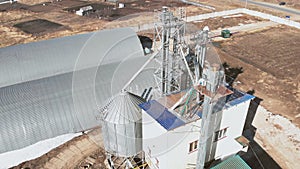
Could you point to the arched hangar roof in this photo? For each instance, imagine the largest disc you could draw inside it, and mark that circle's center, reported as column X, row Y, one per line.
column 54, row 87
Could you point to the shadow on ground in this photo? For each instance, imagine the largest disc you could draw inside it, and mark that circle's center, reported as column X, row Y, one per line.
column 231, row 73
column 255, row 157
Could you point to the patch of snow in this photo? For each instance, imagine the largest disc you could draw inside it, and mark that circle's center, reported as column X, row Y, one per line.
column 279, row 136
column 13, row 158
column 198, row 21
column 233, row 16
column 287, row 126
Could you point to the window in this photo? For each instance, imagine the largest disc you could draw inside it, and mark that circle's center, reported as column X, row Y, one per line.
column 193, row 146
column 220, row 134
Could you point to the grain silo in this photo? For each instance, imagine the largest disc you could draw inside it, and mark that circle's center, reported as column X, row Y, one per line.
column 121, row 122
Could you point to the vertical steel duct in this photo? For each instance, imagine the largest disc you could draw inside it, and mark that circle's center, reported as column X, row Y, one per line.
column 211, row 85
column 165, row 51
column 214, row 78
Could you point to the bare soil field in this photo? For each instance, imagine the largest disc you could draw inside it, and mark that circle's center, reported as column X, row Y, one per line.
column 10, row 7
column 18, row 13
column 56, row 11
column 85, row 151
column 109, row 11
column 38, row 26
column 270, row 62
column 31, row 2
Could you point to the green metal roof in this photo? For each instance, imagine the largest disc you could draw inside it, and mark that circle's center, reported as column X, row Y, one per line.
column 235, row 162
column 226, row 31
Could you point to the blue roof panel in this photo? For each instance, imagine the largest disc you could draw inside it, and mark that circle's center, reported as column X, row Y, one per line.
column 239, row 100
column 161, row 114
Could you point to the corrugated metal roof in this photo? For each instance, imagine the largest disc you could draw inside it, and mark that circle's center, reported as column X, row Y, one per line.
column 123, row 109
column 161, row 114
column 59, row 102
column 235, row 162
column 42, row 59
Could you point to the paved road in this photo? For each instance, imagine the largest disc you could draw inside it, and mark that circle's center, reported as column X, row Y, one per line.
column 198, row 4
column 274, row 6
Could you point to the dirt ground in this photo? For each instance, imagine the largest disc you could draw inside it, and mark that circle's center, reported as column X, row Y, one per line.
column 85, row 151
column 56, row 12
column 11, row 16
column 269, row 64
column 38, row 26
column 270, row 60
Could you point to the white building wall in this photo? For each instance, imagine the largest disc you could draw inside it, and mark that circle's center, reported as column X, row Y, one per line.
column 151, row 129
column 79, row 12
column 152, row 132
column 170, row 149
column 152, row 135
column 178, row 155
column 233, row 118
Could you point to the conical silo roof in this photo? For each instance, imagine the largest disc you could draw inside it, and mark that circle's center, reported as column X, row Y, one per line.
column 122, row 109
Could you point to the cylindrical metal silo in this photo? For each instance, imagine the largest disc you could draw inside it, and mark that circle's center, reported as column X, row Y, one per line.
column 121, row 122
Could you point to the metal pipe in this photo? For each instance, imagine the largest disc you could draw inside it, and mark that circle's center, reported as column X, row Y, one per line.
column 206, row 132
column 165, row 50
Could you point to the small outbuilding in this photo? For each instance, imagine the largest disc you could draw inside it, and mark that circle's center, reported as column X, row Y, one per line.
column 84, row 10
column 7, row 1
column 226, row 33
